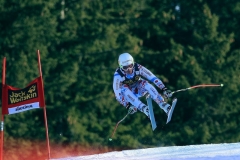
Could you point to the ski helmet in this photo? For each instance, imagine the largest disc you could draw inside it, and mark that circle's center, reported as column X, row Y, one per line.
column 125, row 59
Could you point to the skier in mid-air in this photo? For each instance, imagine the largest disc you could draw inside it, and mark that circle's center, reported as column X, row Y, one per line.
column 128, row 86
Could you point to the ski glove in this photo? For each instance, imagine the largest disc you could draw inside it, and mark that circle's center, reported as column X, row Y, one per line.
column 167, row 93
column 131, row 109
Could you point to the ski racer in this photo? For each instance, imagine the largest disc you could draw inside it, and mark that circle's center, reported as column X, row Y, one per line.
column 129, row 86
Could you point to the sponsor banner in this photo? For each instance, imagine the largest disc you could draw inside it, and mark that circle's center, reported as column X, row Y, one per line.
column 23, row 108
column 15, row 97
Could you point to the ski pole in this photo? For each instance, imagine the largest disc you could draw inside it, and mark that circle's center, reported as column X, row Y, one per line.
column 198, row 86
column 110, row 139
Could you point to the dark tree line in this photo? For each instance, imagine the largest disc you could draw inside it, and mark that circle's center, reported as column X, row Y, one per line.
column 182, row 42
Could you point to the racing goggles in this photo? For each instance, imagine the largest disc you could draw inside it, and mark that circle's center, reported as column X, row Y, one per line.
column 128, row 66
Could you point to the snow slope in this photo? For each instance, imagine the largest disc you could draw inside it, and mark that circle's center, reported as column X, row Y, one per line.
column 225, row 151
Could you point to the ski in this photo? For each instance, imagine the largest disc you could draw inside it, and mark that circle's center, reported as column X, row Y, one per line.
column 151, row 114
column 170, row 112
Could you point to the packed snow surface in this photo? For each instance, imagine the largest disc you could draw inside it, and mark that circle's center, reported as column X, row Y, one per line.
column 225, row 151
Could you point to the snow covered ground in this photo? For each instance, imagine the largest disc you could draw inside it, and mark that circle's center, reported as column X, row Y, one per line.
column 226, row 151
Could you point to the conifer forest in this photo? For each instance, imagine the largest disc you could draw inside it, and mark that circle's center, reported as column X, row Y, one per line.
column 183, row 42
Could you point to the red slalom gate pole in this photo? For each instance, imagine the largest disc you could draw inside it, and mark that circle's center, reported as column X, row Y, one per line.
column 2, row 118
column 44, row 108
